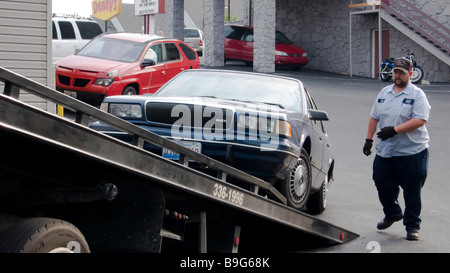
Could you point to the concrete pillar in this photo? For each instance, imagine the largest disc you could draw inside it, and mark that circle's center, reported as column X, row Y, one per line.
column 174, row 19
column 213, row 11
column 264, row 36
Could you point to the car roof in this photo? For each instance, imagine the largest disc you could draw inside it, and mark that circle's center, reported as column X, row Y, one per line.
column 241, row 26
column 250, row 73
column 67, row 18
column 135, row 37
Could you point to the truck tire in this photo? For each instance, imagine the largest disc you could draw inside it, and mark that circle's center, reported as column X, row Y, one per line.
column 42, row 235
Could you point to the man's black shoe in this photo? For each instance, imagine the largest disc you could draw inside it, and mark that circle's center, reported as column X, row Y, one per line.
column 385, row 223
column 412, row 235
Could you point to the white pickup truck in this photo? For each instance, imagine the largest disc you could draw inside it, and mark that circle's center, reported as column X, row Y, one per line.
column 71, row 34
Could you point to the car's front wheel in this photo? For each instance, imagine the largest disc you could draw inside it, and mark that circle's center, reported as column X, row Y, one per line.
column 297, row 185
column 129, row 90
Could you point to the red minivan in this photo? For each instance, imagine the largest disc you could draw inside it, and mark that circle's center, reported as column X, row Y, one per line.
column 239, row 46
column 123, row 63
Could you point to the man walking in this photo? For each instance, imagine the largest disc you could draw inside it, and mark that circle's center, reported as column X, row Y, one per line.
column 399, row 115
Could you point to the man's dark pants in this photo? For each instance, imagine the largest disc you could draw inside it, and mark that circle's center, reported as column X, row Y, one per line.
column 407, row 172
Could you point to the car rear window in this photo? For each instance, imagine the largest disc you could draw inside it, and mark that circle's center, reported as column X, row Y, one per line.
column 191, row 33
column 190, row 54
column 89, row 30
column 235, row 33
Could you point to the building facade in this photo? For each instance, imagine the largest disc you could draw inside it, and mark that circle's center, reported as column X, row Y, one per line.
column 26, row 44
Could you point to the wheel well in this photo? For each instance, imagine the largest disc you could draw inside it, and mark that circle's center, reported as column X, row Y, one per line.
column 307, row 145
column 135, row 85
column 330, row 171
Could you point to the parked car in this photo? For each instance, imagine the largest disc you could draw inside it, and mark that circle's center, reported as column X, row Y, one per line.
column 123, row 64
column 265, row 125
column 71, row 34
column 194, row 38
column 239, row 46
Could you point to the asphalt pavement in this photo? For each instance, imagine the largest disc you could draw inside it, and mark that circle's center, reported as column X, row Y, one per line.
column 352, row 197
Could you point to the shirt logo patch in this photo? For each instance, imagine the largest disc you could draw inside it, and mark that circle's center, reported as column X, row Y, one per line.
column 408, row 101
column 380, row 100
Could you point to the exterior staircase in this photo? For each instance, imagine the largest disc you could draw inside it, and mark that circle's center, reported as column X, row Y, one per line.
column 418, row 26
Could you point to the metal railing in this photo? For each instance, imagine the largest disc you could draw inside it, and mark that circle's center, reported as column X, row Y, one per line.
column 421, row 23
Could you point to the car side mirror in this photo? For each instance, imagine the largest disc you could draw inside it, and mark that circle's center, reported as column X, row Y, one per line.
column 318, row 115
column 147, row 62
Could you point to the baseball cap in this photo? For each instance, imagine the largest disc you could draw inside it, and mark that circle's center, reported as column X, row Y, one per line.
column 403, row 64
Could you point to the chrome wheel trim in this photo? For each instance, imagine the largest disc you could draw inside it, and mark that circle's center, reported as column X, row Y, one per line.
column 298, row 181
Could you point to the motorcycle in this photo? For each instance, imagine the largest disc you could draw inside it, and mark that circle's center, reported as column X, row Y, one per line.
column 388, row 64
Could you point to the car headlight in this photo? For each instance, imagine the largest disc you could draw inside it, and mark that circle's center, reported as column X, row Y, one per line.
column 113, row 73
column 280, row 53
column 265, row 125
column 125, row 110
column 248, row 122
column 104, row 81
column 305, row 54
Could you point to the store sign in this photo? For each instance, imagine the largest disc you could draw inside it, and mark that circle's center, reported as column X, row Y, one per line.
column 106, row 9
column 148, row 7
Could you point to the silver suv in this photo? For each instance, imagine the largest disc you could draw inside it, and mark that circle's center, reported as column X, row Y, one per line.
column 71, row 34
column 194, row 38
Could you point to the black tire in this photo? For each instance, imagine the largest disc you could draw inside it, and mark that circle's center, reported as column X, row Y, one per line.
column 417, row 75
column 42, row 235
column 385, row 76
column 297, row 185
column 129, row 90
column 317, row 202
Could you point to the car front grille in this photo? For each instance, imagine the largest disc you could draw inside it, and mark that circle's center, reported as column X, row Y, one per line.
column 80, row 82
column 64, row 80
column 169, row 113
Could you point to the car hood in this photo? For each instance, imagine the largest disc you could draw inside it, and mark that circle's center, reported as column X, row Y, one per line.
column 204, row 101
column 289, row 48
column 90, row 64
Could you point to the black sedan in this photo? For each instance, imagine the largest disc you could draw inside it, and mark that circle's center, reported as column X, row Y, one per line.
column 265, row 125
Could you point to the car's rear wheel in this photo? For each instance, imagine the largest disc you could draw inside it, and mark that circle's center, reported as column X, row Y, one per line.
column 318, row 201
column 297, row 185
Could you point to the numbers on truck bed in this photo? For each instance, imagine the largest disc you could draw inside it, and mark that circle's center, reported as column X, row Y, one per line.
column 228, row 194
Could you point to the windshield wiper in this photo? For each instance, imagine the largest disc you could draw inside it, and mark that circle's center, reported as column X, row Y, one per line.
column 275, row 104
column 260, row 102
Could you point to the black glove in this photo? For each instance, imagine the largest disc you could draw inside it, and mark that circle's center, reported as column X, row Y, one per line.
column 367, row 147
column 386, row 132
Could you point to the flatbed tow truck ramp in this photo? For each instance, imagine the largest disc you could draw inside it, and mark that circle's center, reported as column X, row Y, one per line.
column 67, row 188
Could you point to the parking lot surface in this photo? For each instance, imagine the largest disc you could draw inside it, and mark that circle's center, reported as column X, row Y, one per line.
column 352, row 197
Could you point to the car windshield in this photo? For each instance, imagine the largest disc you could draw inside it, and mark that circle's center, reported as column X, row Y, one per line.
column 113, row 49
column 263, row 89
column 280, row 38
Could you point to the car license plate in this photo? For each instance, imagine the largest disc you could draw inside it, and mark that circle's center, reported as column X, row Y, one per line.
column 194, row 146
column 71, row 93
